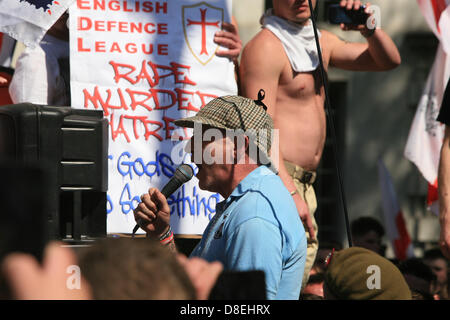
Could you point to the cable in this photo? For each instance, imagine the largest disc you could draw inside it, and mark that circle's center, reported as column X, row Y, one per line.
column 332, row 127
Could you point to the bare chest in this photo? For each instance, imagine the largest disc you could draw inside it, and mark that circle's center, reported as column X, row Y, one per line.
column 301, row 85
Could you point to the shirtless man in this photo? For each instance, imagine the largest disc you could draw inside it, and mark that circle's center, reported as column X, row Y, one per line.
column 295, row 100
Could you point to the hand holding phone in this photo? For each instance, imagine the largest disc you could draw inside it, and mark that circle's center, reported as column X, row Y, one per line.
column 341, row 15
column 351, row 15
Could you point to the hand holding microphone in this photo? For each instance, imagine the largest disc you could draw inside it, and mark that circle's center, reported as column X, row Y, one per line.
column 153, row 213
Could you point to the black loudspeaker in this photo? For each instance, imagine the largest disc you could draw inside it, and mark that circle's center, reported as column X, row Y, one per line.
column 71, row 146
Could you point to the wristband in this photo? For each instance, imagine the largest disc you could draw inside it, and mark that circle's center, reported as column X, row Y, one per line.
column 166, row 234
column 167, row 240
column 166, row 237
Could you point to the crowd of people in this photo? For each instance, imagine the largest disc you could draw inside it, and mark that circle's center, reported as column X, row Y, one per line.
column 263, row 235
column 144, row 269
column 425, row 278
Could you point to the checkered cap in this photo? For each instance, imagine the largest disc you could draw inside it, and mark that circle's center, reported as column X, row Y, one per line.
column 235, row 112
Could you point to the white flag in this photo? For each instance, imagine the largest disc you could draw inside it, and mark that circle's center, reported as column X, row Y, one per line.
column 27, row 21
column 426, row 134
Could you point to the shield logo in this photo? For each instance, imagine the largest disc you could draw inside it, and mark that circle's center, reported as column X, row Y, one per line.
column 200, row 22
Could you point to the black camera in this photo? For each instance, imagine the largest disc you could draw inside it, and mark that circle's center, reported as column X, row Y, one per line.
column 338, row 15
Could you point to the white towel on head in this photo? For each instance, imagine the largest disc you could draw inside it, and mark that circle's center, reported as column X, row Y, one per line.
column 298, row 41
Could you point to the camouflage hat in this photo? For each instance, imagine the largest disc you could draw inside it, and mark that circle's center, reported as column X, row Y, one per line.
column 236, row 113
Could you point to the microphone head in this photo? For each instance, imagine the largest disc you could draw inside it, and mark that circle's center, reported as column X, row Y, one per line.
column 184, row 173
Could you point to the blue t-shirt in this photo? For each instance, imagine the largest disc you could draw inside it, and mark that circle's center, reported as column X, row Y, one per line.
column 258, row 228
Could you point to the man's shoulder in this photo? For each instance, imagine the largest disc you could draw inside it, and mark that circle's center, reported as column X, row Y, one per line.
column 264, row 42
column 263, row 56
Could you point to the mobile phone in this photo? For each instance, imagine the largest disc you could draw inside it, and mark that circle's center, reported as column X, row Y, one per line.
column 338, row 15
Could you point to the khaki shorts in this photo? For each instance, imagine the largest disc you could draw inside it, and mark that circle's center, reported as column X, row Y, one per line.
column 303, row 181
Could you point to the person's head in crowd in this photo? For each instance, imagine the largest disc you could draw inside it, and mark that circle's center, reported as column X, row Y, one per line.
column 56, row 278
column 314, row 287
column 121, row 269
column 138, row 269
column 368, row 233
column 325, row 249
column 360, row 274
column 419, row 277
column 212, row 282
column 310, row 296
column 440, row 267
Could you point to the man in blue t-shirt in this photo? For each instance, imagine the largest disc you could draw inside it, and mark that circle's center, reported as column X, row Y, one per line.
column 444, row 176
column 257, row 226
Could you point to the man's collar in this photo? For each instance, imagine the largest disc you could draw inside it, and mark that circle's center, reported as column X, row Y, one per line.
column 250, row 180
column 246, row 184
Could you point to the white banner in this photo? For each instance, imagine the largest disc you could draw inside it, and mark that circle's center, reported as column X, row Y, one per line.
column 28, row 20
column 145, row 64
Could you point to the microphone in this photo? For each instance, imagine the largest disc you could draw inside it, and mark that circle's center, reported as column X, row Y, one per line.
column 182, row 174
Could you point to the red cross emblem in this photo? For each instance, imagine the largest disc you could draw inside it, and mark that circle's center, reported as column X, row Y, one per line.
column 200, row 22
